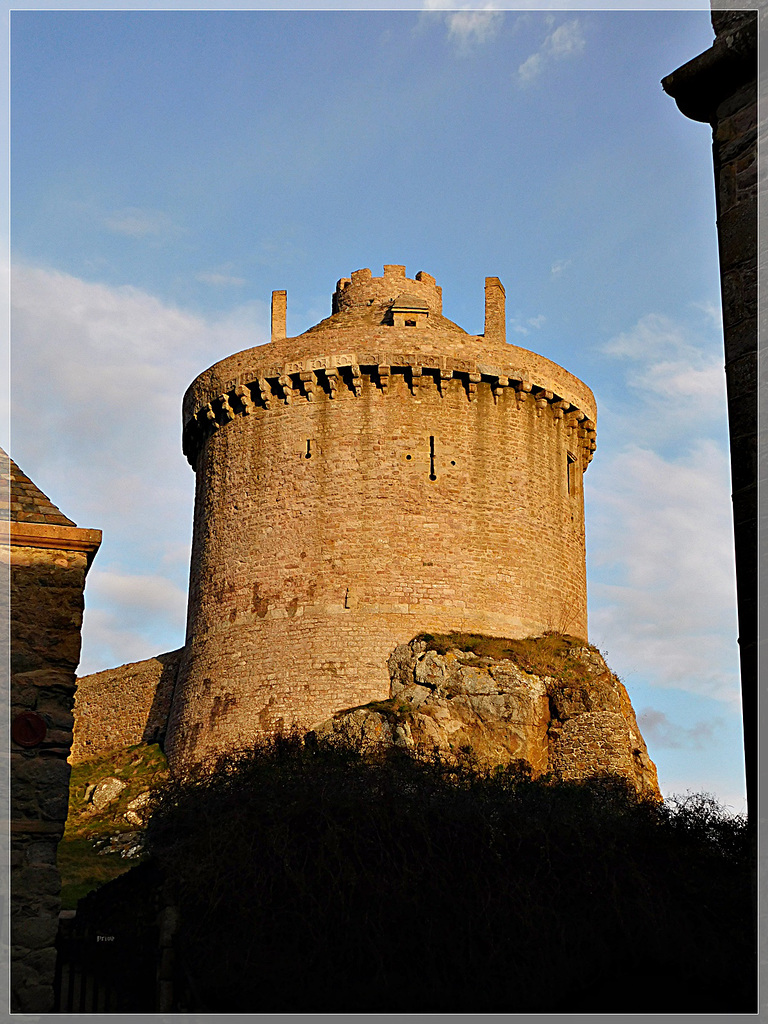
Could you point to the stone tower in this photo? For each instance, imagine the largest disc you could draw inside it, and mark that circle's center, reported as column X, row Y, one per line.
column 382, row 474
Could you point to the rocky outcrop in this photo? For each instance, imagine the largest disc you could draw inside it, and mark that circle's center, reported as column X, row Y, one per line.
column 550, row 701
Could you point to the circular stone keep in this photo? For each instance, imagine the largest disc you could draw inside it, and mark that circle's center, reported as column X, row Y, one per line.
column 382, row 474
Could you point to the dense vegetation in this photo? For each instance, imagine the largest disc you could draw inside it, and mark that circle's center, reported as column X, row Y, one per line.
column 314, row 880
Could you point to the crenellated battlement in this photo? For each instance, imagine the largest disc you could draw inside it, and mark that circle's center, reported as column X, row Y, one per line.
column 363, row 290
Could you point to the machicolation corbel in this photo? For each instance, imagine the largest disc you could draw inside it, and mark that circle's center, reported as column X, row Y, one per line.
column 226, row 409
column 243, row 394
column 307, row 378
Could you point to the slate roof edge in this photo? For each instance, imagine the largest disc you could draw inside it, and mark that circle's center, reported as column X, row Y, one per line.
column 50, row 535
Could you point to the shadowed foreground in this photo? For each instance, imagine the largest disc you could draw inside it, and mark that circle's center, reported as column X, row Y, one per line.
column 309, row 879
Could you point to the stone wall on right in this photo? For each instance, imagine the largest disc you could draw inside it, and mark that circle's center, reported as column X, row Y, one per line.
column 719, row 87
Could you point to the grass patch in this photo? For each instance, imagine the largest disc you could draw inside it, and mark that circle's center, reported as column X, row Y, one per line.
column 547, row 655
column 142, row 767
column 83, row 869
column 393, row 706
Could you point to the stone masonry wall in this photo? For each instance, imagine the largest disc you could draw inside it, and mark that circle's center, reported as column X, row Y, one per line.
column 734, row 150
column 124, row 706
column 734, row 147
column 719, row 87
column 46, row 590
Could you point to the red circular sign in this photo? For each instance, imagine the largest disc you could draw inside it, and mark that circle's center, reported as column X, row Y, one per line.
column 28, row 729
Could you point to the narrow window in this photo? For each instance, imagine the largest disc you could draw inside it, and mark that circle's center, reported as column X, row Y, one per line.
column 570, row 468
column 410, row 323
column 432, row 458
column 309, row 452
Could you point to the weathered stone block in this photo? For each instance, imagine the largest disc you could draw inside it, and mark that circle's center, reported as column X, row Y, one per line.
column 41, row 878
column 40, row 853
column 737, row 233
column 34, row 932
column 741, row 378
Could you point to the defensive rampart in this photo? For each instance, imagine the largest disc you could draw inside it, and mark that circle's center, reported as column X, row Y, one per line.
column 120, row 707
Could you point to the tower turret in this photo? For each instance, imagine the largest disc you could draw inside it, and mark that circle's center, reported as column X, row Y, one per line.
column 382, row 474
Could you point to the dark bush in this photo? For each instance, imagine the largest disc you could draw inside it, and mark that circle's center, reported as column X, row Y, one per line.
column 313, row 880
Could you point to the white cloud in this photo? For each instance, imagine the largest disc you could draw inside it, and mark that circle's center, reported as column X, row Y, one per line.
column 137, row 595
column 469, row 26
column 675, row 372
column 531, row 67
column 566, row 40
column 663, row 589
column 674, row 379
column 663, row 580
column 107, row 642
column 659, row 730
column 139, row 223
column 652, row 335
column 559, row 266
column 98, row 378
column 474, row 27
column 711, row 312
column 532, row 322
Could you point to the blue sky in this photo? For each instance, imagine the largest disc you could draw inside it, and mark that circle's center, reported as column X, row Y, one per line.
column 171, row 168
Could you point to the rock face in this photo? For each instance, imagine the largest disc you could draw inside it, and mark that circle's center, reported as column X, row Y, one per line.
column 550, row 701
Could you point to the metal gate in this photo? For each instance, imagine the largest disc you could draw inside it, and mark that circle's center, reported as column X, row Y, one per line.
column 98, row 972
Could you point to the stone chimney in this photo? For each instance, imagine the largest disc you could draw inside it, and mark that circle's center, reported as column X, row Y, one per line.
column 279, row 305
column 495, row 310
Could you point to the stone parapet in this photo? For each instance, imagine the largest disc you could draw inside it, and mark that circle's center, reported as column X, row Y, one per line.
column 40, row 536
column 362, row 289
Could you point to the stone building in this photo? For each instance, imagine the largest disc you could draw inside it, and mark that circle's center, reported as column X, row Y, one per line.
column 382, row 474
column 719, row 88
column 47, row 559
